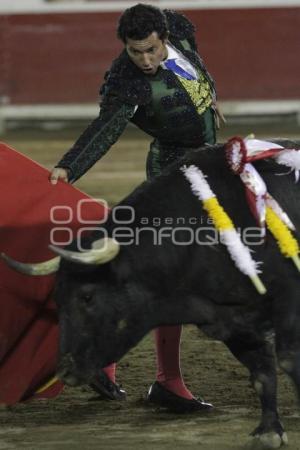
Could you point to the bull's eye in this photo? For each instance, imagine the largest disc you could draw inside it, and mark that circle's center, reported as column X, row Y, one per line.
column 86, row 297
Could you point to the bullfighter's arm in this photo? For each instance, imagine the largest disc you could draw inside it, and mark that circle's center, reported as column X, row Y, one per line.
column 97, row 139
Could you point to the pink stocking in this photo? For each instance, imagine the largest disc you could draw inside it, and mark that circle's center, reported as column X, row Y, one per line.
column 167, row 339
column 110, row 371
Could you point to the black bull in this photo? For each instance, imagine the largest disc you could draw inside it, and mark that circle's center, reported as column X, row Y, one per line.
column 162, row 277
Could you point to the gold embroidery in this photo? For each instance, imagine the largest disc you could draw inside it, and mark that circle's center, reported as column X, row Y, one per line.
column 199, row 92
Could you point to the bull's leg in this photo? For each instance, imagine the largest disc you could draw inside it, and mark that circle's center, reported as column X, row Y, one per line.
column 287, row 330
column 289, row 361
column 258, row 357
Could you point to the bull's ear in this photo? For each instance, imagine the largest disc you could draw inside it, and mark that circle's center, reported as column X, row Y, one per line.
column 35, row 269
column 102, row 251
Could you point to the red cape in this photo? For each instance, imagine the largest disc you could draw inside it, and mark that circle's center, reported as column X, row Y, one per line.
column 28, row 320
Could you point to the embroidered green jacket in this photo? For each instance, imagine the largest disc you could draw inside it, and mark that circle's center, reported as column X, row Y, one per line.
column 158, row 104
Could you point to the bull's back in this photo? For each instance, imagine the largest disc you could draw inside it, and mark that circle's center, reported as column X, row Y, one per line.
column 169, row 196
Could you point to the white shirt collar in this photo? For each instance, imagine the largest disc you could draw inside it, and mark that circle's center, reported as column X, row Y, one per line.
column 172, row 52
column 181, row 60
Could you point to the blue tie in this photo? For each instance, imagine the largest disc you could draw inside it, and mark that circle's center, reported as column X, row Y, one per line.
column 171, row 65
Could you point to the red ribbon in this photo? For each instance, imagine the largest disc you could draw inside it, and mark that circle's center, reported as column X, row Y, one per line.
column 237, row 158
column 244, row 158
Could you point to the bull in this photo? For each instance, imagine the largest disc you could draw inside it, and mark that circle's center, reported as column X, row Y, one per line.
column 153, row 273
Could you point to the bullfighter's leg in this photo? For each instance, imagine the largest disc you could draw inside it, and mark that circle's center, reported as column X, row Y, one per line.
column 168, row 374
column 258, row 357
column 169, row 390
column 110, row 371
column 105, row 384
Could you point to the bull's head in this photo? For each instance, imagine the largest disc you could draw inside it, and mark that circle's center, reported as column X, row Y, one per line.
column 102, row 311
column 88, row 315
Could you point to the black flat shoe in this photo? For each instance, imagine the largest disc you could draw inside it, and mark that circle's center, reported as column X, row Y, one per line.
column 164, row 398
column 106, row 388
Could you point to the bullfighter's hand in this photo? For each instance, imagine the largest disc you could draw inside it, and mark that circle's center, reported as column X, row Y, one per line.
column 59, row 173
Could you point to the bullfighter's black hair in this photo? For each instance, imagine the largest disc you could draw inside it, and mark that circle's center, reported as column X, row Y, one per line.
column 140, row 21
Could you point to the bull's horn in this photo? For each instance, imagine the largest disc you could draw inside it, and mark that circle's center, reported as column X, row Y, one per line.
column 42, row 268
column 102, row 251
